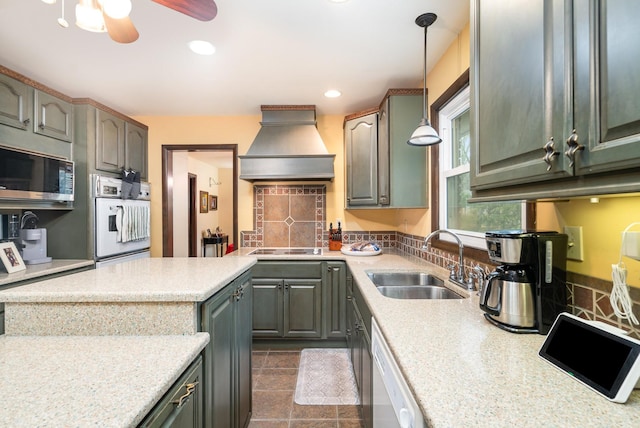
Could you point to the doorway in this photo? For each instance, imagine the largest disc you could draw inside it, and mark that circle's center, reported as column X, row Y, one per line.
column 193, row 190
column 168, row 191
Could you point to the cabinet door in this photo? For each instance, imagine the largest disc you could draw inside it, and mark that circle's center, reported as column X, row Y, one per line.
column 109, row 142
column 407, row 173
column 53, row 117
column 218, row 321
column 135, row 153
column 361, row 144
column 302, row 308
column 14, row 103
column 243, row 348
column 335, row 289
column 518, row 98
column 268, row 310
column 384, row 172
column 177, row 409
column 606, row 70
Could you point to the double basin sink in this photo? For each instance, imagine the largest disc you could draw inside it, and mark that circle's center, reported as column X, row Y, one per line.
column 411, row 285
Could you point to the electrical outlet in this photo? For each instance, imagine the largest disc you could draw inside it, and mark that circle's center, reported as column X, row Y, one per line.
column 574, row 242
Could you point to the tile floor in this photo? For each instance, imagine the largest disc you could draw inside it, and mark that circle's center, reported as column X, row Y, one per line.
column 275, row 373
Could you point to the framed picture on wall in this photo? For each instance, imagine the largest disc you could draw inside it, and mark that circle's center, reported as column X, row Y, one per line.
column 10, row 257
column 213, row 203
column 204, row 202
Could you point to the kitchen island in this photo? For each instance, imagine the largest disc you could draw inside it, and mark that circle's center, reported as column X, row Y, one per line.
column 462, row 370
column 101, row 347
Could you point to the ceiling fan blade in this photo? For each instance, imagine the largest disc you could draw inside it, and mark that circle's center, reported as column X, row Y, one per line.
column 121, row 30
column 203, row 10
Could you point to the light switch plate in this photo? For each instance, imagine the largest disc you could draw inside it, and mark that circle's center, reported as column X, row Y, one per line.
column 575, row 251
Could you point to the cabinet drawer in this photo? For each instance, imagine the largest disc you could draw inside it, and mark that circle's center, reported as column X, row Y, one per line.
column 292, row 269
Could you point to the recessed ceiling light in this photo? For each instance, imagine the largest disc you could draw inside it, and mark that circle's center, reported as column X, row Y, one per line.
column 332, row 93
column 201, row 47
column 338, row 1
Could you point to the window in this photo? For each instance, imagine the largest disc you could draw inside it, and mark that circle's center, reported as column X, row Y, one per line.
column 469, row 220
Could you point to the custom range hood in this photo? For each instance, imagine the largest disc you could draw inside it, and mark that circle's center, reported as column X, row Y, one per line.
column 287, row 147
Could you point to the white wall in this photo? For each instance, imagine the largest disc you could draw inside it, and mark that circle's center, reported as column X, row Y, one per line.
column 180, row 205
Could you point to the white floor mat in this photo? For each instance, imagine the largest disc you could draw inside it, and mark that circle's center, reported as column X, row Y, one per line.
column 325, row 377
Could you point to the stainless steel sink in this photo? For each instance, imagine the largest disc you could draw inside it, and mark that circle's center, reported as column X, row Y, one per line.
column 411, row 285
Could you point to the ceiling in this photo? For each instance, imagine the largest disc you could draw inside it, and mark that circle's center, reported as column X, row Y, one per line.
column 267, row 52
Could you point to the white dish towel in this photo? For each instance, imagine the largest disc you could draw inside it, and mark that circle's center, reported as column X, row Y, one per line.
column 133, row 223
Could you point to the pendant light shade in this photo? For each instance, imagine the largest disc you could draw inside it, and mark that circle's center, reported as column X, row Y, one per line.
column 425, row 135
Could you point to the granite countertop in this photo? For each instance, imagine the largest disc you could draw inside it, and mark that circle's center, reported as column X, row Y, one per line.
column 188, row 279
column 81, row 381
column 464, row 371
column 43, row 269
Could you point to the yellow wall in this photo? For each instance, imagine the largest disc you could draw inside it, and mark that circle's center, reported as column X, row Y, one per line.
column 602, row 225
column 241, row 130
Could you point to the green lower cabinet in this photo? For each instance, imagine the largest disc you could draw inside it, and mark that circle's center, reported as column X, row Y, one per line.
column 359, row 343
column 287, row 308
column 227, row 369
column 335, row 295
column 182, row 406
column 292, row 299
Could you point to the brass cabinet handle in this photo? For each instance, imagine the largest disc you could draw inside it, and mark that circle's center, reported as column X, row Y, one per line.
column 191, row 387
column 574, row 146
column 550, row 152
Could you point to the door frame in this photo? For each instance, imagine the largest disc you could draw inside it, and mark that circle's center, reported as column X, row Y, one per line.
column 167, row 187
column 193, row 217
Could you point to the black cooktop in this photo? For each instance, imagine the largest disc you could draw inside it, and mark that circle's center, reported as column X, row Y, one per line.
column 287, row 251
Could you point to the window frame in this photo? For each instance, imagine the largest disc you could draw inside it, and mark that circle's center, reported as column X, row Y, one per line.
column 479, row 254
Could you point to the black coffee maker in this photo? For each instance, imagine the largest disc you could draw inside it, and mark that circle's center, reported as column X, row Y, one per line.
column 528, row 290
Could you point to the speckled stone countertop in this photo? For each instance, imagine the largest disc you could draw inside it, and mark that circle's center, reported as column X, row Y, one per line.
column 466, row 372
column 188, row 279
column 101, row 381
column 43, row 269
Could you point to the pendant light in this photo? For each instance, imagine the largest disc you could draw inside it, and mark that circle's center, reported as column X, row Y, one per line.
column 425, row 135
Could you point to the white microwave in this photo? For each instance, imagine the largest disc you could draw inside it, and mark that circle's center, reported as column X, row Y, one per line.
column 35, row 176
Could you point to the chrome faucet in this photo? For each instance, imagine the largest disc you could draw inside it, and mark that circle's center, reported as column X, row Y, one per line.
column 457, row 277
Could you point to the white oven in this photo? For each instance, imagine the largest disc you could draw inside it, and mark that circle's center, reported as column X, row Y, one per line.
column 122, row 223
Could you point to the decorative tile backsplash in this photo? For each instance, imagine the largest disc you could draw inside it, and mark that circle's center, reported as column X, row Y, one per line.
column 287, row 216
column 276, row 226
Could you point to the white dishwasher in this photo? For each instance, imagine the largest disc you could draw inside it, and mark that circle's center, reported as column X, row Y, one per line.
column 393, row 403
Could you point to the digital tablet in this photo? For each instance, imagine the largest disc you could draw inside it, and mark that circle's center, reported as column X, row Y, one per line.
column 598, row 356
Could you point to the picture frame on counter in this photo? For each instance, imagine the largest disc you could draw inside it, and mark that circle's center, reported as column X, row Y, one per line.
column 213, row 203
column 204, row 202
column 10, row 256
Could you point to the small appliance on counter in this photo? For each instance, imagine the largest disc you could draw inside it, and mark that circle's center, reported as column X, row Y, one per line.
column 527, row 291
column 34, row 240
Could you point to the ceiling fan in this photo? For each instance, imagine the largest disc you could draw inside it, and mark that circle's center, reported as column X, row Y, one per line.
column 112, row 16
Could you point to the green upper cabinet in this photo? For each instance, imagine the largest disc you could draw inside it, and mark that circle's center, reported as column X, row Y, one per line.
column 33, row 117
column 606, row 85
column 109, row 142
column 120, row 144
column 565, row 67
column 53, row 117
column 383, row 171
column 15, row 108
column 517, row 94
column 361, row 146
column 406, row 165
column 135, row 148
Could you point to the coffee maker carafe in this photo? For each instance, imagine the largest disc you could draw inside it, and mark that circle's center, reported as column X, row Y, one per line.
column 527, row 291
